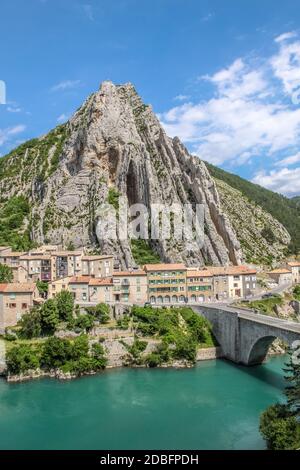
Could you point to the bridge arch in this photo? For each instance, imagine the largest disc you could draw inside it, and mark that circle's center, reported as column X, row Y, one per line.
column 259, row 350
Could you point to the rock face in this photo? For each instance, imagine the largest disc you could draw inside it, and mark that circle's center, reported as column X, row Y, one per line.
column 263, row 239
column 114, row 145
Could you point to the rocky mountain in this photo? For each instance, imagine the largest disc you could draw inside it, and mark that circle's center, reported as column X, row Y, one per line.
column 51, row 187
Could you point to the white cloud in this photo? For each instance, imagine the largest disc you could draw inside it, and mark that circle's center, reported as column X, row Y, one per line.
column 181, row 97
column 286, row 66
column 284, row 181
column 66, row 85
column 63, row 117
column 11, row 109
column 288, row 161
column 248, row 115
column 9, row 132
column 286, row 36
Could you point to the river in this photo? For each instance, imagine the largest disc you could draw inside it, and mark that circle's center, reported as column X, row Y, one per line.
column 215, row 405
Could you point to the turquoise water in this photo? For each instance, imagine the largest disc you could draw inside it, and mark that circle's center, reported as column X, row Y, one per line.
column 216, row 405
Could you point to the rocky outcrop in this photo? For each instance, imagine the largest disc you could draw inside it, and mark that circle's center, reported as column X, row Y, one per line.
column 114, row 145
column 263, row 239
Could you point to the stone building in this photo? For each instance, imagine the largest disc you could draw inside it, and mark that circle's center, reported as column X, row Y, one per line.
column 294, row 267
column 130, row 287
column 166, row 283
column 199, row 285
column 15, row 300
column 281, row 276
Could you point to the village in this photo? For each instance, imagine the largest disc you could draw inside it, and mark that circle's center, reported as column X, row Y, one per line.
column 95, row 279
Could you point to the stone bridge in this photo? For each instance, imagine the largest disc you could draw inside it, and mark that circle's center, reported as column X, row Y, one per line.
column 245, row 336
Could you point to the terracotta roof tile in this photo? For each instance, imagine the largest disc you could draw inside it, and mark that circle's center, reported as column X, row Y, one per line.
column 165, row 267
column 17, row 287
column 138, row 272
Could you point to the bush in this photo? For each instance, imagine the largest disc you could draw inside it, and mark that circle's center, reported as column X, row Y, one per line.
column 73, row 356
column 185, row 348
column 22, row 358
column 55, row 353
column 6, row 274
column 100, row 313
column 30, row 324
column 84, row 322
column 153, row 360
column 123, row 323
column 280, row 429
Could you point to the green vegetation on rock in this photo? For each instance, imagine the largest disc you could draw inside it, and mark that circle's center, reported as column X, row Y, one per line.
column 180, row 332
column 285, row 210
column 13, row 213
column 143, row 253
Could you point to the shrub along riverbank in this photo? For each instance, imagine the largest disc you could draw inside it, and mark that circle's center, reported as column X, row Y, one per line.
column 173, row 334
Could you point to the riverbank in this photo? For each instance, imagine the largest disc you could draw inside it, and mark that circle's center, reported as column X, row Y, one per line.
column 204, row 354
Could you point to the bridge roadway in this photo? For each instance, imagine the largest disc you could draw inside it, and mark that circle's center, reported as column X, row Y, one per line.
column 248, row 314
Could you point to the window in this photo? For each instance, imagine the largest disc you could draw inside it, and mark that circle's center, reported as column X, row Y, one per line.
column 235, row 285
column 236, row 278
column 12, row 296
column 248, row 285
column 84, row 296
column 12, row 305
column 24, row 306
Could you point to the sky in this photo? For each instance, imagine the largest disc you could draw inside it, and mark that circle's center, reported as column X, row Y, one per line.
column 224, row 76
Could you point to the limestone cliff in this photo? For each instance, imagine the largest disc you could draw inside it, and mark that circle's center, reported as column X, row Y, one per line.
column 113, row 145
column 263, row 239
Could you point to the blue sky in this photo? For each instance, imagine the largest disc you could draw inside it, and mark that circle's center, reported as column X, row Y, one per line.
column 222, row 75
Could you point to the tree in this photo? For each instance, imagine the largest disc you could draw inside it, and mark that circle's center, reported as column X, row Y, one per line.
column 65, row 305
column 292, row 392
column 49, row 316
column 280, row 424
column 30, row 324
column 280, row 429
column 56, row 352
column 84, row 322
column 100, row 312
column 6, row 274
column 98, row 355
column 42, row 288
column 22, row 358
